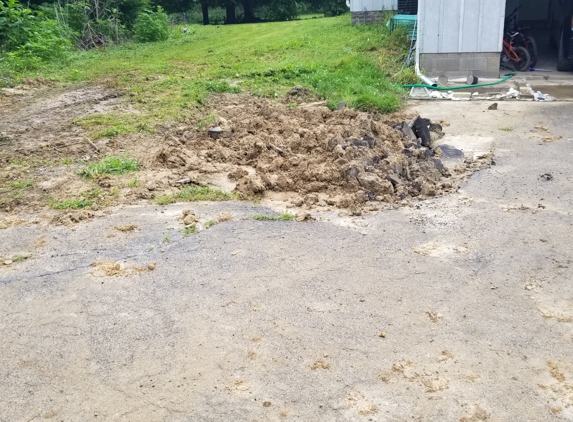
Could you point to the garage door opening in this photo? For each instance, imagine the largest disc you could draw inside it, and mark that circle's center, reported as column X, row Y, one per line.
column 549, row 24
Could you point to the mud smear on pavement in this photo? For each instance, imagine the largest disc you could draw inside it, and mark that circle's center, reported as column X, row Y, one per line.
column 113, row 269
column 287, row 151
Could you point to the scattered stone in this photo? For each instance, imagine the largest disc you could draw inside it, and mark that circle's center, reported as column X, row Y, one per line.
column 408, row 132
column 547, row 177
column 394, row 180
column 451, row 152
column 151, row 266
column 267, row 404
column 422, row 131
column 186, row 181
column 215, row 132
column 382, row 334
column 492, row 107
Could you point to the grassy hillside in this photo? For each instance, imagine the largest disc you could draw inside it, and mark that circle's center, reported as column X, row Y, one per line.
column 337, row 61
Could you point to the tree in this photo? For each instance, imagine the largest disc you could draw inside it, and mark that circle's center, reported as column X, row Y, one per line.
column 280, row 10
column 248, row 8
column 205, row 11
column 230, row 12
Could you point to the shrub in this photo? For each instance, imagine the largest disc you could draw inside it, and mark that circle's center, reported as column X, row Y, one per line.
column 152, row 26
column 16, row 24
column 29, row 38
column 44, row 44
column 129, row 10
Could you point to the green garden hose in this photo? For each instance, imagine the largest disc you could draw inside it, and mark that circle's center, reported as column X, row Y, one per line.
column 452, row 88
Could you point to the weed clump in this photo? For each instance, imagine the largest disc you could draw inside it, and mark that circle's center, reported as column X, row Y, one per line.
column 196, row 193
column 189, row 230
column 109, row 165
column 71, row 204
column 262, row 217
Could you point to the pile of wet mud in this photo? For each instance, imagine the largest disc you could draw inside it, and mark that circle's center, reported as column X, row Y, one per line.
column 343, row 158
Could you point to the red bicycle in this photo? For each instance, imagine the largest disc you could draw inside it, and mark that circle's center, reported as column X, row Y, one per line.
column 522, row 36
column 513, row 54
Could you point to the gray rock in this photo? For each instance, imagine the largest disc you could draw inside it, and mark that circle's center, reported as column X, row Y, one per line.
column 215, row 132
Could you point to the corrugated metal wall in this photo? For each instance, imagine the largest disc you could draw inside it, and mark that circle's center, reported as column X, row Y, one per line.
column 372, row 5
column 460, row 26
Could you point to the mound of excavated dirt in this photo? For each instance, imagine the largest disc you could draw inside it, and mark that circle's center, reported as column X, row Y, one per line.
column 344, row 158
column 285, row 150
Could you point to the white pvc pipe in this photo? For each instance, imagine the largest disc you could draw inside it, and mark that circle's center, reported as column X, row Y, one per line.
column 419, row 73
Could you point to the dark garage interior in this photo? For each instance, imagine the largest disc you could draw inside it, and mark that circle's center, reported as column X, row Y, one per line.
column 538, row 16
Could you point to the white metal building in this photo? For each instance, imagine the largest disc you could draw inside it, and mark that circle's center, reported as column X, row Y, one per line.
column 455, row 37
column 459, row 37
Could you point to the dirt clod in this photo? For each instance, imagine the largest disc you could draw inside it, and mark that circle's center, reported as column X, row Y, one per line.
column 320, row 364
column 74, row 217
column 11, row 222
column 126, row 228
column 189, row 218
column 225, row 216
column 304, row 216
column 112, row 268
column 106, row 269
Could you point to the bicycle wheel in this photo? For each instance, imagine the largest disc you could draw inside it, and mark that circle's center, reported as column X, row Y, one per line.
column 522, row 63
column 531, row 47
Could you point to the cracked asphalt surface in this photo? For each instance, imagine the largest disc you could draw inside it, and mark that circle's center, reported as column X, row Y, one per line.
column 459, row 308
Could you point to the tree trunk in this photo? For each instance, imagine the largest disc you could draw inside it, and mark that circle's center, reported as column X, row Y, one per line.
column 248, row 8
column 205, row 10
column 230, row 12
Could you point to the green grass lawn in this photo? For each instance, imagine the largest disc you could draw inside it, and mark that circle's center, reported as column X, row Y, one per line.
column 337, row 61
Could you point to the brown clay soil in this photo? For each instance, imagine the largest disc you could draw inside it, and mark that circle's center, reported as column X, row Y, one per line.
column 291, row 150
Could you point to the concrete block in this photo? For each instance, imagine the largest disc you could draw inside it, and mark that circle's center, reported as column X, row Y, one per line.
column 493, row 63
column 445, row 64
column 366, row 18
column 456, row 65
